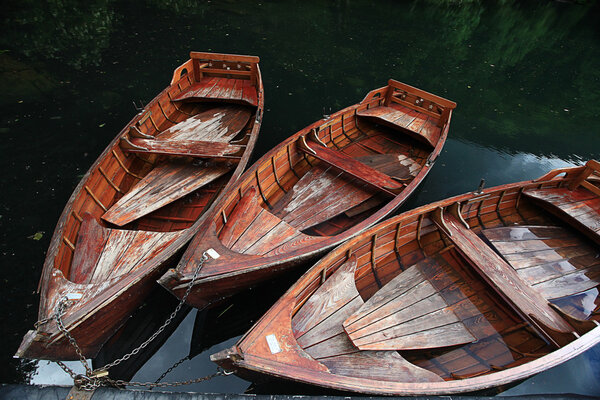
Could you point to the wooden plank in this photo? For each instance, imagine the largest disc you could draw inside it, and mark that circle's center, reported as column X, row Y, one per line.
column 91, row 239
column 330, row 346
column 350, row 166
column 379, row 365
column 240, row 217
column 570, row 284
column 237, row 91
column 581, row 305
column 333, row 294
column 529, row 259
column 293, row 243
column 319, row 195
column 200, row 89
column 197, row 55
column 397, row 166
column 280, row 233
column 543, row 272
column 579, row 207
column 318, row 329
column 128, row 250
column 397, row 116
column 260, row 226
column 249, row 94
column 525, row 232
column 502, row 277
column 532, row 245
column 330, row 328
column 220, row 89
column 408, row 313
column 217, row 124
column 187, row 148
column 565, row 276
column 166, row 183
column 125, row 251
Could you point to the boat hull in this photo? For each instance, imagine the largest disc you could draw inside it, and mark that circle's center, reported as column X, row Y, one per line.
column 309, row 335
column 321, row 186
column 115, row 237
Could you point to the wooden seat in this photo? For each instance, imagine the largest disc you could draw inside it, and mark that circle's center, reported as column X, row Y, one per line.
column 102, row 253
column 187, row 148
column 418, row 125
column 350, row 166
column 164, row 184
column 205, row 135
column 318, row 329
column 240, row 91
column 408, row 313
column 527, row 302
column 579, row 207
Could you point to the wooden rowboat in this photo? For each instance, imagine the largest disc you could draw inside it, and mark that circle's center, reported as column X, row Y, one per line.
column 317, row 188
column 143, row 199
column 472, row 292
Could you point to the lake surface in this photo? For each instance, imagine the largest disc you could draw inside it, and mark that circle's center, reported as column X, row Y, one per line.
column 526, row 78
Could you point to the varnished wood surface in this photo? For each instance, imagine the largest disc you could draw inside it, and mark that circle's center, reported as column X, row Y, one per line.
column 406, row 314
column 161, row 186
column 421, row 126
column 580, row 205
column 318, row 329
column 183, row 148
column 355, row 168
column 564, row 264
column 111, row 267
column 320, row 186
column 508, row 347
column 223, row 89
column 503, row 278
column 319, row 195
column 220, row 123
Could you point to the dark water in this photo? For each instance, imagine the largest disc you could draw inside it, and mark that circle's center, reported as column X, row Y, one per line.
column 526, row 78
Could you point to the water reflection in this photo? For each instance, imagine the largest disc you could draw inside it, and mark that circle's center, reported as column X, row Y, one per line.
column 526, row 78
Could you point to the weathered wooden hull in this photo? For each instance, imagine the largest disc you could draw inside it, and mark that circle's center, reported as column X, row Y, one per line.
column 316, row 189
column 348, row 325
column 143, row 199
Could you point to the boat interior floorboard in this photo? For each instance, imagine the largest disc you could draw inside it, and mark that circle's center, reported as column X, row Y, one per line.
column 318, row 328
column 107, row 253
column 565, row 264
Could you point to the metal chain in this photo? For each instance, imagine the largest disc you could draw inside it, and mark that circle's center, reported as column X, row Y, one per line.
column 219, row 372
column 93, row 379
column 171, row 368
column 165, row 324
column 60, row 310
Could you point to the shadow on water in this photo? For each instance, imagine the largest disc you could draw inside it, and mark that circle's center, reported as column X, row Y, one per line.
column 526, row 77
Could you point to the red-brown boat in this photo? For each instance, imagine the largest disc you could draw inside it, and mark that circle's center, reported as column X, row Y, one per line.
column 473, row 292
column 322, row 185
column 143, row 199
